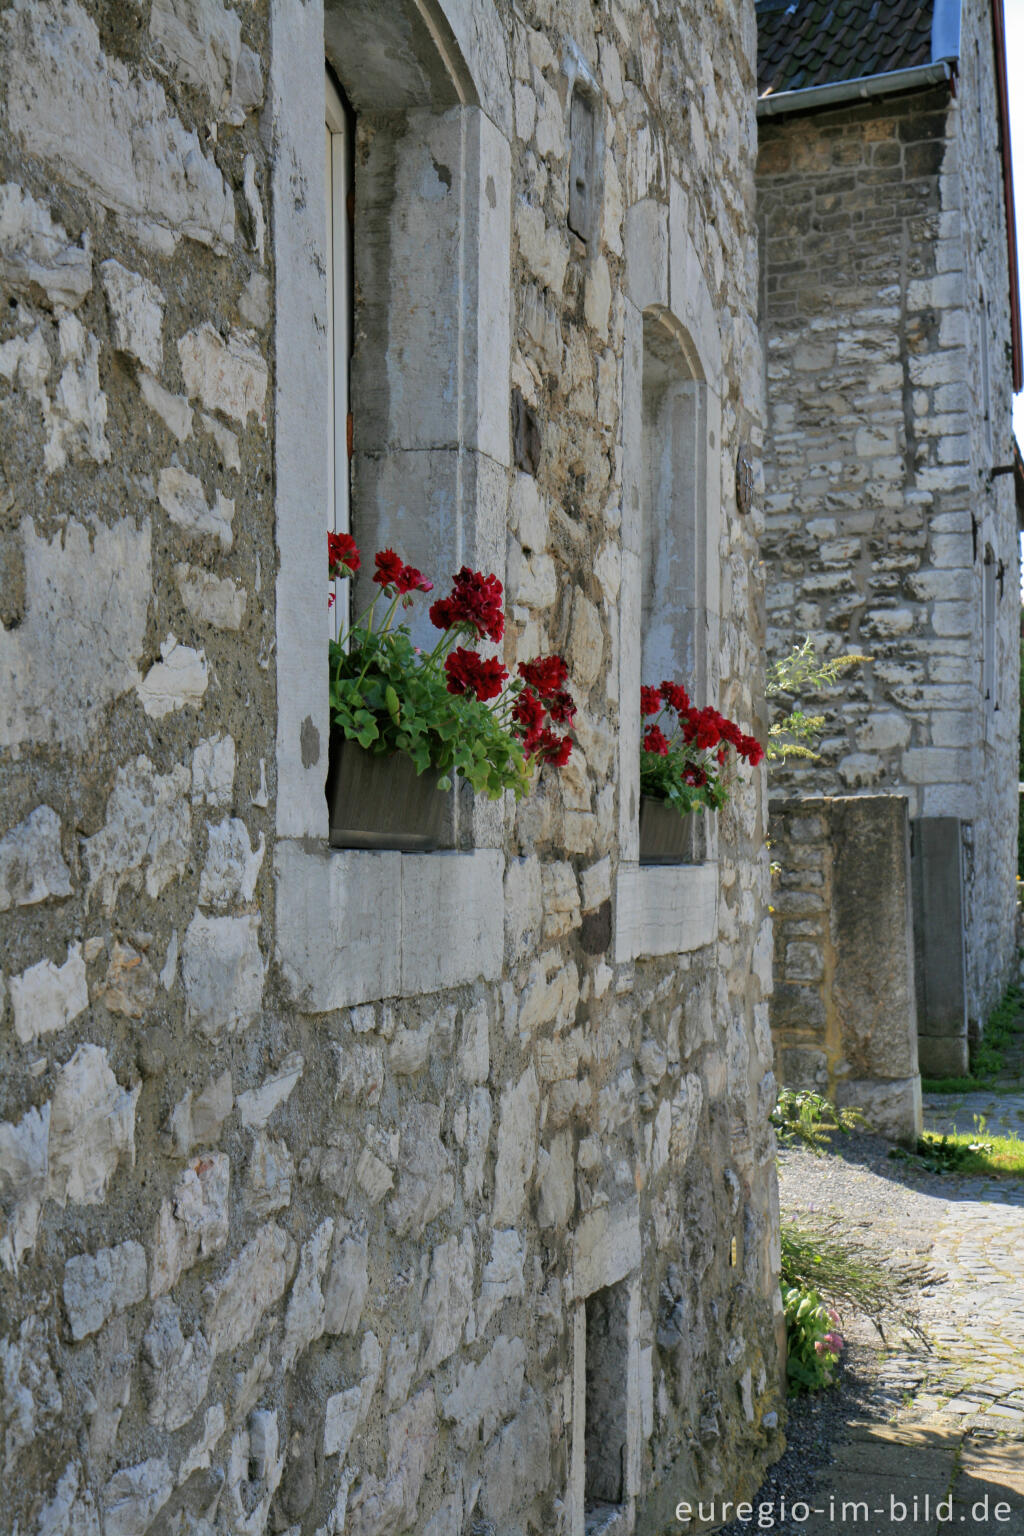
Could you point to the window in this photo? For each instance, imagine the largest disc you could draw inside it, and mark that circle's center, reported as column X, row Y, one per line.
column 671, row 529
column 338, row 183
column 674, row 622
column 607, row 1375
column 421, row 119
column 582, row 165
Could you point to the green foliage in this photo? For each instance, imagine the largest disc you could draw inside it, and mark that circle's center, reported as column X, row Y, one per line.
column 811, row 1360
column 795, row 733
column 383, row 697
column 845, row 1273
column 800, row 1114
column 662, row 778
column 962, row 1153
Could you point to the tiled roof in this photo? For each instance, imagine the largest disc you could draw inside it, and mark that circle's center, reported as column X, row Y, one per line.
column 801, row 43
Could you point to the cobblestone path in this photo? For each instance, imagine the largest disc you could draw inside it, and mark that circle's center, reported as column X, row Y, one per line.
column 938, row 1447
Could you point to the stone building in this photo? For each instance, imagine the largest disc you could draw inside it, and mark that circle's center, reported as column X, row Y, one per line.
column 891, row 319
column 354, row 1190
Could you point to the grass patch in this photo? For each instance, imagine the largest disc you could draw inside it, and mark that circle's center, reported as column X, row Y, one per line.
column 974, row 1152
column 1004, row 1029
column 846, row 1274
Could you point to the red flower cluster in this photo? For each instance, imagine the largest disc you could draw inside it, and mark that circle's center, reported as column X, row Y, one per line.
column 543, row 699
column 655, row 740
column 705, row 729
column 473, row 603
column 342, row 555
column 392, row 571
column 469, row 673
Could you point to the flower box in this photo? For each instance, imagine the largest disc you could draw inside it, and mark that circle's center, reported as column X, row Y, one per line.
column 377, row 800
column 665, row 836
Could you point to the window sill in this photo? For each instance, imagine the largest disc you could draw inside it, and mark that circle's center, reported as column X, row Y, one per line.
column 354, row 927
column 664, row 909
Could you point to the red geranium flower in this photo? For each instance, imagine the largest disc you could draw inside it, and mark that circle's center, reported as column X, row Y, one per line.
column 389, row 567
column 551, row 748
column 468, row 673
column 655, row 741
column 545, row 674
column 528, row 717
column 342, row 554
column 650, row 700
column 676, row 697
column 561, row 706
column 694, row 775
column 409, row 579
column 473, row 603
column 754, row 751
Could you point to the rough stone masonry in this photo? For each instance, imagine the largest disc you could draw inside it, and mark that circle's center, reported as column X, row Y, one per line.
column 888, row 355
column 320, row 1172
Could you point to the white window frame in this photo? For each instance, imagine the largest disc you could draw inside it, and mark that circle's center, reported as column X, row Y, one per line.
column 664, row 909
column 337, row 185
column 355, row 926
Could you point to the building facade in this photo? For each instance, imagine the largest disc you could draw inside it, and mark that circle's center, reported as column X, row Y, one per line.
column 351, row 1190
column 892, row 338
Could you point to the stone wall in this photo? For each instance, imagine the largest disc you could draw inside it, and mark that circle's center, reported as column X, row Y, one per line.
column 844, row 1016
column 881, row 223
column 309, row 1162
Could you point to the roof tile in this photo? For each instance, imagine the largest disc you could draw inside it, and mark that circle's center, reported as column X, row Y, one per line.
column 815, row 42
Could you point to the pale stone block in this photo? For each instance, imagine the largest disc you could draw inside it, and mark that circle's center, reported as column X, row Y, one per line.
column 937, row 765
column 232, row 865
column 176, row 1373
column 475, row 1052
column 32, row 867
column 426, row 1184
column 251, row 1285
column 146, row 833
column 213, row 771
column 269, row 1175
column 605, row 1247
column 223, row 973
column 502, row 1276
column 109, row 130
column 36, row 255
column 24, row 1166
column 305, row 1317
column 448, row 1298
column 100, row 1284
column 337, row 914
column 211, row 600
column 134, row 1496
column 347, row 1280
column 174, row 410
column 184, row 500
column 950, row 618
column 556, row 1183
column 340, row 1416
column 524, row 911
column 193, row 1223
column 198, row 1457
column 596, row 884
column 137, row 309
column 73, row 670
column 225, row 374
column 91, row 1128
column 178, row 680
column 516, row 1144
column 256, row 1107
column 882, row 731
column 202, row 40
column 49, row 997
column 664, row 910
column 543, row 249
column 486, row 1394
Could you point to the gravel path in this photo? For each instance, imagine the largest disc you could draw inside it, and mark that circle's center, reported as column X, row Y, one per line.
column 911, row 1423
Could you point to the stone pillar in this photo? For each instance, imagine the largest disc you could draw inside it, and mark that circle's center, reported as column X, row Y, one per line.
column 939, row 958
column 844, row 1014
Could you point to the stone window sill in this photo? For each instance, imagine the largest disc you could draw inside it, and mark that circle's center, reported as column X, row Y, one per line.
column 664, row 909
column 354, row 927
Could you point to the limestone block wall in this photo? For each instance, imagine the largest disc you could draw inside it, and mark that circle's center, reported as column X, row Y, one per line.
column 321, row 1173
column 844, row 1016
column 889, row 390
